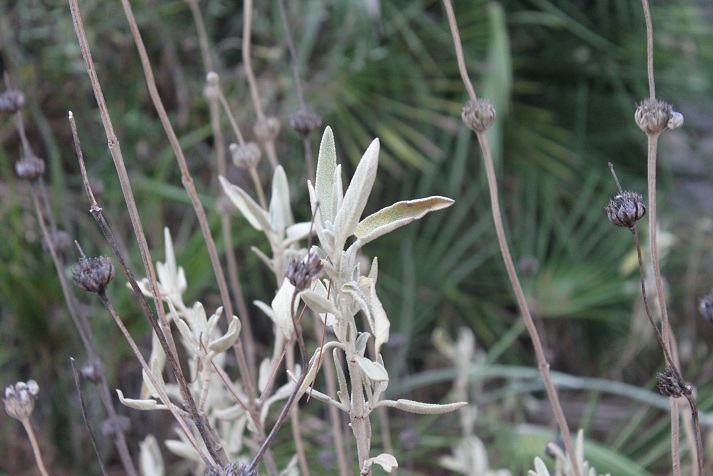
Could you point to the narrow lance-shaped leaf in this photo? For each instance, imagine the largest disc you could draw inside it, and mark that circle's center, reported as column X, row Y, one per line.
column 253, row 213
column 280, row 211
column 422, row 408
column 397, row 215
column 357, row 194
column 326, row 164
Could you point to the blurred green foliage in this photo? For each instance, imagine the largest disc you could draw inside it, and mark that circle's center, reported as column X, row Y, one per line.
column 564, row 77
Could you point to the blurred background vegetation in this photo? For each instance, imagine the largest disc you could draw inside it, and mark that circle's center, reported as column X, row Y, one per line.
column 564, row 76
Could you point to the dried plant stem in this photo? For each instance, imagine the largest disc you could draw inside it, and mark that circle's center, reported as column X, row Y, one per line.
column 250, row 74
column 649, row 48
column 35, row 447
column 187, row 181
column 543, row 365
column 202, row 34
column 82, row 326
column 214, row 447
column 78, row 386
column 298, row 85
column 115, row 150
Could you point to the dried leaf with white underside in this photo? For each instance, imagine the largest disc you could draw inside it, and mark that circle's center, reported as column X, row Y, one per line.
column 397, row 215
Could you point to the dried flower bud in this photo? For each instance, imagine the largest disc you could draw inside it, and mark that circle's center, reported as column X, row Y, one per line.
column 245, row 156
column 302, row 273
column 305, row 122
column 93, row 371
column 20, row 399
column 231, row 469
column 267, row 129
column 675, row 122
column 478, row 115
column 654, row 116
column 113, row 426
column 60, row 241
column 625, row 209
column 559, row 443
column 671, row 383
column 705, row 307
column 93, row 274
column 30, row 168
column 211, row 91
column 11, row 100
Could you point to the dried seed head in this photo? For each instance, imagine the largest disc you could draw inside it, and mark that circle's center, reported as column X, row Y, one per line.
column 93, row 274
column 20, row 399
column 671, row 383
column 303, row 272
column 113, row 426
column 305, row 122
column 626, row 209
column 30, row 168
column 267, row 129
column 231, row 469
column 705, row 307
column 478, row 115
column 60, row 241
column 11, row 100
column 245, row 156
column 654, row 116
column 93, row 371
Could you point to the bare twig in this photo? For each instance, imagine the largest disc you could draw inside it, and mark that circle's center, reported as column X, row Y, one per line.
column 84, row 415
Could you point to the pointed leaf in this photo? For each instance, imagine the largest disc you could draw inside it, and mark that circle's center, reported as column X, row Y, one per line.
column 397, row 215
column 253, row 213
column 280, row 211
column 373, row 370
column 281, row 307
column 324, row 179
column 422, row 408
column 356, row 196
column 224, row 343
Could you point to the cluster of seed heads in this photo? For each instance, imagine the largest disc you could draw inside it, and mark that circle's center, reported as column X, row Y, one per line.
column 93, row 274
column 245, row 156
column 20, row 399
column 478, row 115
column 671, row 383
column 654, row 116
column 626, row 209
column 303, row 272
column 11, row 100
column 305, row 122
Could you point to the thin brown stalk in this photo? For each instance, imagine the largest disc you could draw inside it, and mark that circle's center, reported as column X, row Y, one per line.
column 543, row 365
column 187, row 181
column 78, row 386
column 35, row 447
column 649, row 48
column 215, row 449
column 250, row 74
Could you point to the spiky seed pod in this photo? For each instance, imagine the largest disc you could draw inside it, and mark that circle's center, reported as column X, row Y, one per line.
column 20, row 399
column 11, row 100
column 478, row 115
column 30, row 168
column 671, row 383
column 267, row 129
column 93, row 274
column 653, row 116
column 245, row 156
column 626, row 209
column 302, row 273
column 60, row 241
column 305, row 122
column 705, row 307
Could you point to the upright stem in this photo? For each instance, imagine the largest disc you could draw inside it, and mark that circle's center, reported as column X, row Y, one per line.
column 35, row 447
